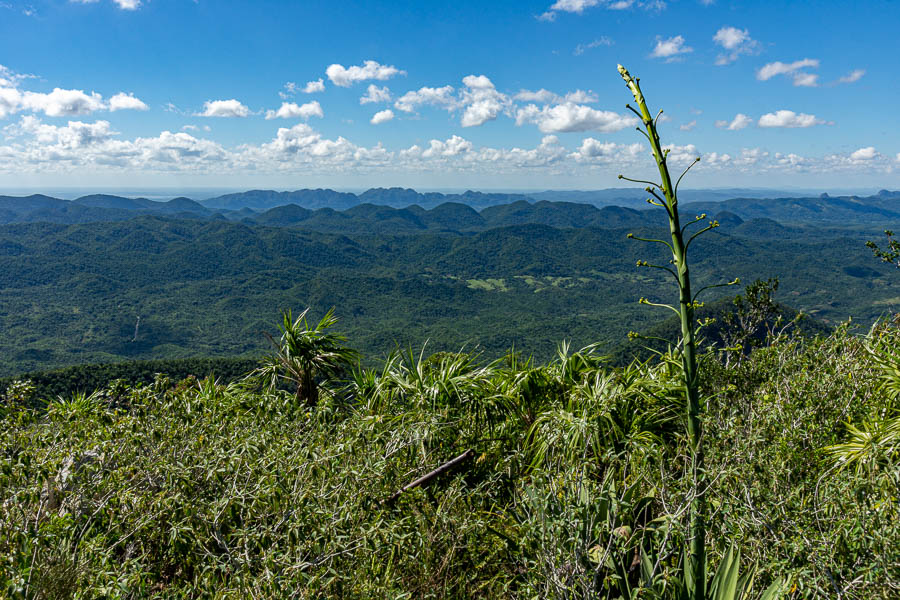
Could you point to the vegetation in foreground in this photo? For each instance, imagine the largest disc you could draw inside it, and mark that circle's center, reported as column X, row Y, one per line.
column 577, row 478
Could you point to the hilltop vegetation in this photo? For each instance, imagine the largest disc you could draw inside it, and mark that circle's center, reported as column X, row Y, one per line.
column 198, row 488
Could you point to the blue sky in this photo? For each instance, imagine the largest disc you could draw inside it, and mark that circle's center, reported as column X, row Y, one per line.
column 512, row 95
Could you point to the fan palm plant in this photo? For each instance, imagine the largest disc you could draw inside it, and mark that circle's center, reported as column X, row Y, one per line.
column 304, row 354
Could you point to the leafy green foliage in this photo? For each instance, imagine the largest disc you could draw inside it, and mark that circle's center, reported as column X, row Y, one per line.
column 72, row 294
column 199, row 488
column 889, row 255
column 304, row 355
column 90, row 378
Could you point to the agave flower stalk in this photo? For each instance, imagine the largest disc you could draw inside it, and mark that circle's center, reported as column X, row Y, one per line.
column 665, row 194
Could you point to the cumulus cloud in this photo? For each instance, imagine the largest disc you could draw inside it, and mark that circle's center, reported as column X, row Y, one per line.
column 382, row 116
column 481, row 100
column 75, row 134
column 224, row 108
column 291, row 110
column 794, row 70
column 453, row 146
column 670, row 48
column 58, row 103
column 123, row 101
column 442, row 97
column 346, row 76
column 852, row 76
column 688, row 126
column 375, row 94
column 735, row 42
column 740, row 121
column 864, row 154
column 788, row 118
column 313, row 87
column 37, row 147
column 573, row 117
column 595, row 151
column 681, row 154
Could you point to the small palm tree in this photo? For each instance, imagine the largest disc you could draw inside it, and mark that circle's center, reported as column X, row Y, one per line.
column 304, row 354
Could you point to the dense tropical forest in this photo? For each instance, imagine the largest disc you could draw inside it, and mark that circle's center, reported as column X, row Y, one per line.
column 456, row 412
column 529, row 275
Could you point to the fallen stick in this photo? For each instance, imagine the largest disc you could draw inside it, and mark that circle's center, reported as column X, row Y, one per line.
column 428, row 477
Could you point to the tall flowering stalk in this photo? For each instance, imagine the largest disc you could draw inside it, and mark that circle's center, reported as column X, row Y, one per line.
column 665, row 195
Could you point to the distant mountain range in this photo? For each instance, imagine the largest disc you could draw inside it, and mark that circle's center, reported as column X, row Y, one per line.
column 397, row 210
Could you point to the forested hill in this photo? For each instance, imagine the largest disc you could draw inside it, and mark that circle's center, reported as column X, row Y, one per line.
column 157, row 287
column 379, row 210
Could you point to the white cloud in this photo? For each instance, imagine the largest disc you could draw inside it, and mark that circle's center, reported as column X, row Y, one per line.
column 123, row 4
column 290, row 89
column 580, row 97
column 454, row 146
column 806, row 79
column 74, row 135
column 594, row 151
column 579, row 6
column 852, row 76
column 543, row 96
column 291, row 110
column 601, row 41
column 792, row 70
column 10, row 101
column 375, row 94
column 575, row 6
column 731, row 38
column 313, row 87
column 573, row 117
column 36, row 147
column 382, row 116
column 482, row 101
column 688, row 126
column 681, row 154
column 788, row 118
column 62, row 103
column 740, row 121
column 736, row 42
column 11, row 79
column 347, row 76
column 864, row 154
column 123, row 101
column 224, row 108
column 442, row 97
column 670, row 48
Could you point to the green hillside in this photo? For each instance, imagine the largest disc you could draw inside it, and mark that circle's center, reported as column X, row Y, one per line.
column 73, row 294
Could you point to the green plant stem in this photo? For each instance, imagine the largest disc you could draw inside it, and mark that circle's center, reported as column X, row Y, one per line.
column 697, row 527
